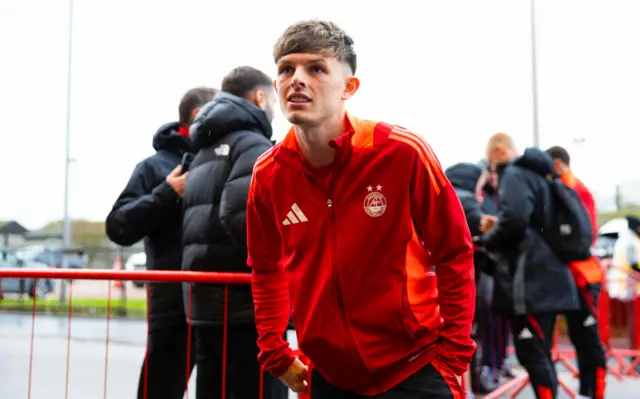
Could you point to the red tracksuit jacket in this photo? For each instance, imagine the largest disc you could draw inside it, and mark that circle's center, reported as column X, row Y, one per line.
column 586, row 271
column 353, row 260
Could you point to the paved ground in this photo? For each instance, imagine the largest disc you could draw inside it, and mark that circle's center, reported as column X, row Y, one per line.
column 87, row 360
column 99, row 289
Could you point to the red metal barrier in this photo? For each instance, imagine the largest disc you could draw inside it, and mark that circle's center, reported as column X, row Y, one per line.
column 622, row 369
column 514, row 386
column 119, row 275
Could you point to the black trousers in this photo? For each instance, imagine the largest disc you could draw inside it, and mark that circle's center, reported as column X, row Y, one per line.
column 430, row 382
column 533, row 339
column 166, row 360
column 582, row 327
column 243, row 371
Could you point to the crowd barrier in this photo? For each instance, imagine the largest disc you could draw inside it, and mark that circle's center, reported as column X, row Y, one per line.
column 621, row 369
column 624, row 360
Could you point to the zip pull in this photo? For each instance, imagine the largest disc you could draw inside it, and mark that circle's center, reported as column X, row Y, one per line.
column 329, row 203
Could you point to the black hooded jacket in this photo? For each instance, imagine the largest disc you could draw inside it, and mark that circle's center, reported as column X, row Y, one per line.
column 149, row 209
column 529, row 277
column 463, row 177
column 229, row 134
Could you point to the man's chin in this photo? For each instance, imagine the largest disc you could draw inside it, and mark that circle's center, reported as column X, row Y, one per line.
column 299, row 120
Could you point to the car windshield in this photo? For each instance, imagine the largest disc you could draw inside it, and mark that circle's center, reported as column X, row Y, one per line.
column 8, row 257
column 605, row 245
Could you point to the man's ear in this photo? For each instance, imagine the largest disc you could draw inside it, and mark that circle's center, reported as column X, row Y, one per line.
column 259, row 99
column 352, row 86
column 275, row 85
column 194, row 113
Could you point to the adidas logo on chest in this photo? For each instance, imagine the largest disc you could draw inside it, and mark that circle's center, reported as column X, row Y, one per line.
column 294, row 216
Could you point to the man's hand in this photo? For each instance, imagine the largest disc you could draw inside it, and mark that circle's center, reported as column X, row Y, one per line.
column 177, row 180
column 487, row 222
column 296, row 378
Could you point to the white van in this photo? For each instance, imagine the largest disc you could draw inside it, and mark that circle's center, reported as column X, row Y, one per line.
column 136, row 262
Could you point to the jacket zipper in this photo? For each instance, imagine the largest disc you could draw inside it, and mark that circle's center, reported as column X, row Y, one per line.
column 339, row 298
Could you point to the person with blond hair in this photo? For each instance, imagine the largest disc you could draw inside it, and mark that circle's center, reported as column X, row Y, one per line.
column 532, row 283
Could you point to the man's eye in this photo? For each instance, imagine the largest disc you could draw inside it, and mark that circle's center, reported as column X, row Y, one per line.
column 285, row 69
column 317, row 69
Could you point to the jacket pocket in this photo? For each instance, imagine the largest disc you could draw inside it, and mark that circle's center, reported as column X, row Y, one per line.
column 405, row 315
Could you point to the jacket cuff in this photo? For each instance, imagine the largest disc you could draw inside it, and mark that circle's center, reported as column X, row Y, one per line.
column 166, row 193
column 457, row 363
column 283, row 365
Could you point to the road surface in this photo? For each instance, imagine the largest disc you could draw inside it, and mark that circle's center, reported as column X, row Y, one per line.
column 98, row 289
column 125, row 353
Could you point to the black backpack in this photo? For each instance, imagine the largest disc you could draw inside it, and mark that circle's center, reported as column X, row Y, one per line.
column 568, row 230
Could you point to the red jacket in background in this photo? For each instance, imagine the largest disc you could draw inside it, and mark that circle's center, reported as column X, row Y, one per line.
column 585, row 271
column 352, row 258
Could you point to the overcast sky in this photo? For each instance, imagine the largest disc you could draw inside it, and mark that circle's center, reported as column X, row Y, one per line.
column 453, row 71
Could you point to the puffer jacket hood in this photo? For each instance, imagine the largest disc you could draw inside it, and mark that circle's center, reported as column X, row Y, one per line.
column 227, row 114
column 464, row 175
column 167, row 138
column 535, row 160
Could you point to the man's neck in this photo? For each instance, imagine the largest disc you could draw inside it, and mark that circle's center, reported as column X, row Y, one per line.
column 314, row 141
column 566, row 171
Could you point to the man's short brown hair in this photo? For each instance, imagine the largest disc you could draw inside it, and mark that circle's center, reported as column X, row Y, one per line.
column 316, row 37
column 241, row 81
column 557, row 152
column 194, row 98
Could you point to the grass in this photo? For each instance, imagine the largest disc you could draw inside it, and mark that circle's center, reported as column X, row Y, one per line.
column 133, row 308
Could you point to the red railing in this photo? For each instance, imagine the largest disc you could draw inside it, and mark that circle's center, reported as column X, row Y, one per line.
column 118, row 275
column 514, row 386
column 622, row 368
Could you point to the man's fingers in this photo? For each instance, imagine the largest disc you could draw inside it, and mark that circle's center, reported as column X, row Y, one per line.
column 176, row 171
column 301, row 387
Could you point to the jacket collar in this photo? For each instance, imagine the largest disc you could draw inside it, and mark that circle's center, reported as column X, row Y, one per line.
column 358, row 134
column 568, row 178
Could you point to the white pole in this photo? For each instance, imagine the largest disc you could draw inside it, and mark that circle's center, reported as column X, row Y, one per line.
column 66, row 228
column 534, row 76
column 66, row 222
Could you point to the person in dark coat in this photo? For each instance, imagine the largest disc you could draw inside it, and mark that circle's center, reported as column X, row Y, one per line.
column 464, row 177
column 531, row 284
column 149, row 209
column 228, row 136
column 495, row 327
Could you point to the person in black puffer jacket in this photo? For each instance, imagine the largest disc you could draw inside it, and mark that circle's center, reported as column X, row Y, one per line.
column 229, row 134
column 149, row 208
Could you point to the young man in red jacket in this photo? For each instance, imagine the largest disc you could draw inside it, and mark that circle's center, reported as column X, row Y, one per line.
column 345, row 220
column 582, row 325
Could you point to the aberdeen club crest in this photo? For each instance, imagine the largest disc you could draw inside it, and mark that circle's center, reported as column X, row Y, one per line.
column 375, row 204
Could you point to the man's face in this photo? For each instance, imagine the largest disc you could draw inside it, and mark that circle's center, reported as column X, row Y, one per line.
column 265, row 99
column 312, row 87
column 270, row 103
column 497, row 154
column 558, row 167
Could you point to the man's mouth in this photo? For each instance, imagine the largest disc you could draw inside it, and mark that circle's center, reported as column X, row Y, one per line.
column 298, row 98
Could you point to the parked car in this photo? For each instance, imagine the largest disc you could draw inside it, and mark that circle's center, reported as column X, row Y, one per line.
column 32, row 287
column 53, row 256
column 608, row 234
column 137, row 261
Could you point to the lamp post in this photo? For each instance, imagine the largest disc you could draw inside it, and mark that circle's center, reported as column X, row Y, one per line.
column 534, row 76
column 66, row 222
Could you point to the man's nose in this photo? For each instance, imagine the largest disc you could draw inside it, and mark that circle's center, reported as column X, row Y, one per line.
column 299, row 79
